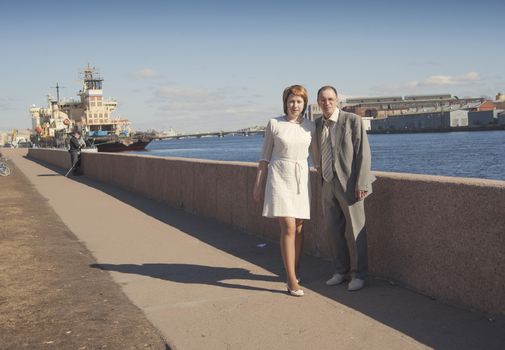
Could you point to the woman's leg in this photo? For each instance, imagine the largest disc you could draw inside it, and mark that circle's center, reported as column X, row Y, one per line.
column 298, row 245
column 288, row 251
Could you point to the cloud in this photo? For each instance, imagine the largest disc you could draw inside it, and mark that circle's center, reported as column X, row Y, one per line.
column 185, row 120
column 240, row 110
column 191, row 98
column 145, row 73
column 446, row 80
column 204, row 107
column 177, row 92
column 434, row 84
column 190, row 108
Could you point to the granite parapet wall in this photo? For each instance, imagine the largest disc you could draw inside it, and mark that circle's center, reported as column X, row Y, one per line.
column 57, row 157
column 441, row 236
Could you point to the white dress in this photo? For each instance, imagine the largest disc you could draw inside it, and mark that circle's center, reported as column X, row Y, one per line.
column 286, row 149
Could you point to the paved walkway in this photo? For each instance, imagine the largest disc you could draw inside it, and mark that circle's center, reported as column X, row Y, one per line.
column 208, row 286
column 49, row 296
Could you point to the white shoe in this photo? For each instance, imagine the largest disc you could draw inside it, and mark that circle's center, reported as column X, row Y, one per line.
column 295, row 293
column 337, row 278
column 355, row 284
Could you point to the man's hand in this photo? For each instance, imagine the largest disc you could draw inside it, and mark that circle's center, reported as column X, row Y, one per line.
column 360, row 195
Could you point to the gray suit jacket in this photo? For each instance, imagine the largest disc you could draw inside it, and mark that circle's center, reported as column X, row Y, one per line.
column 351, row 153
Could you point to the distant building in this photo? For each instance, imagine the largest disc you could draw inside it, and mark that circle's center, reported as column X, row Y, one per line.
column 367, row 123
column 382, row 107
column 21, row 136
column 420, row 121
column 486, row 106
column 15, row 137
column 428, row 97
column 373, row 100
column 313, row 111
column 500, row 101
column 169, row 132
column 458, row 118
column 481, row 118
column 501, row 118
column 3, row 138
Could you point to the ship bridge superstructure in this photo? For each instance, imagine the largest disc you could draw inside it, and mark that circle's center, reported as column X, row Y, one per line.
column 97, row 110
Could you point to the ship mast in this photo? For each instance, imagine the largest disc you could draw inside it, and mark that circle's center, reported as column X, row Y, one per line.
column 91, row 79
column 57, row 87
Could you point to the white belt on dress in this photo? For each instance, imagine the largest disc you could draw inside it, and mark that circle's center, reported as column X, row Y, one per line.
column 298, row 169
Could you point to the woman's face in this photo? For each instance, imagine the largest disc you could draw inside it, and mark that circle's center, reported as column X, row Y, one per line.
column 295, row 106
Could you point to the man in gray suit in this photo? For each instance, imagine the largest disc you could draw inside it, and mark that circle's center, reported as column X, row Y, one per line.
column 344, row 161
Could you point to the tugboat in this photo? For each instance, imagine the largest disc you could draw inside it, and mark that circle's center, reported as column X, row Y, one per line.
column 91, row 114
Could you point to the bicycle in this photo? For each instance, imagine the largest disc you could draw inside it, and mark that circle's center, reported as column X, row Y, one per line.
column 4, row 168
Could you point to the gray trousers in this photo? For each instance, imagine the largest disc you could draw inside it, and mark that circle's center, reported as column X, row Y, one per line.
column 340, row 219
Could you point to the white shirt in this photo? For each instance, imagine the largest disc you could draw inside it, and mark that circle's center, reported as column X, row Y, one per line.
column 333, row 125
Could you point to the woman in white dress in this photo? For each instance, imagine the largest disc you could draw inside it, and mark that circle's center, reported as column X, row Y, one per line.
column 283, row 180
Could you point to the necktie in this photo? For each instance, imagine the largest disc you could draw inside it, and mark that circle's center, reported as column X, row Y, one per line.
column 326, row 153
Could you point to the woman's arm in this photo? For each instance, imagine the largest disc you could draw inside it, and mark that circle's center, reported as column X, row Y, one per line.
column 259, row 183
column 266, row 155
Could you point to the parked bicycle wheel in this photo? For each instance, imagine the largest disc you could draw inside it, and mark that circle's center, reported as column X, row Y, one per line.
column 4, row 170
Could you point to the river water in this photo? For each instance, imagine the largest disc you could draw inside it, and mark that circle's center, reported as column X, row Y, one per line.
column 477, row 154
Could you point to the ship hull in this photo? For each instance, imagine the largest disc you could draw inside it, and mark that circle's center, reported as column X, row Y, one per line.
column 122, row 146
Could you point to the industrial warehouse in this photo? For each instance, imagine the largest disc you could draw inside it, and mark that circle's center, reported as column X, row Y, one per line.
column 424, row 113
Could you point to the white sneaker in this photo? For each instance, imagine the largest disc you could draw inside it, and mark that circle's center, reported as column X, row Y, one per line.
column 337, row 278
column 355, row 284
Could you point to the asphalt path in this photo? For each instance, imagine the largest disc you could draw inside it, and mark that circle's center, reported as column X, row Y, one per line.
column 50, row 298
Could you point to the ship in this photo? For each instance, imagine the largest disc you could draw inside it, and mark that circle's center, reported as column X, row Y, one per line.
column 120, row 144
column 91, row 114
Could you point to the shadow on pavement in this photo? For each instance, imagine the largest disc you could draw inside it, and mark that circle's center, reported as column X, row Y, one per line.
column 197, row 274
column 428, row 321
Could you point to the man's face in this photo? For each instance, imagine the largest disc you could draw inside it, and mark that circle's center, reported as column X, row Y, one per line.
column 327, row 101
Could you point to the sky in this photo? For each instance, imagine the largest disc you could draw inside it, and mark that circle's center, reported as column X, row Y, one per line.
column 199, row 66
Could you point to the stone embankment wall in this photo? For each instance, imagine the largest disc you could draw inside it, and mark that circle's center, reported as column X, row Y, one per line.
column 55, row 157
column 441, row 236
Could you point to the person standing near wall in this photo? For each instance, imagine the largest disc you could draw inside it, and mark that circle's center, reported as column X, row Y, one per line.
column 75, row 145
column 345, row 168
column 282, row 180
